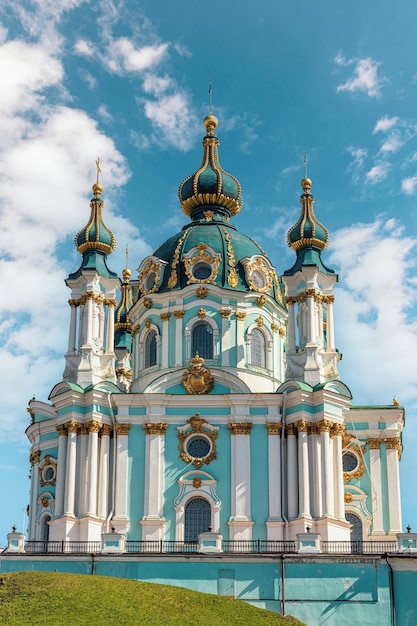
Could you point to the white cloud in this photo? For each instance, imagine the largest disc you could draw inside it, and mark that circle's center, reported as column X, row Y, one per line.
column 359, row 155
column 104, row 113
column 122, row 56
column 377, row 173
column 84, row 48
column 364, row 78
column 375, row 333
column 157, row 85
column 392, row 144
column 409, row 185
column 172, row 119
column 385, row 123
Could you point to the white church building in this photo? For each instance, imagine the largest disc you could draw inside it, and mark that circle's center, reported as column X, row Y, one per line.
column 203, row 393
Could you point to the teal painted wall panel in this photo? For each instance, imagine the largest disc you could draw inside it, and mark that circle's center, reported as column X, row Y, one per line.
column 189, row 411
column 222, row 473
column 384, row 487
column 137, row 410
column 175, row 467
column 48, row 436
column 405, row 598
column 170, row 327
column 136, row 480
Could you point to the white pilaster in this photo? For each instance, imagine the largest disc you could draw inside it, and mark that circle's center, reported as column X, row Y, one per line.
column 72, row 337
column 240, row 522
column 330, row 324
column 60, row 470
column 303, row 470
column 393, row 448
column 153, row 520
column 179, row 314
column 110, row 326
column 165, row 338
column 120, row 498
column 274, row 475
column 292, row 478
column 291, row 325
column 316, row 473
column 240, row 338
column 225, row 349
column 93, row 428
column 339, row 509
column 71, row 466
column 89, row 320
column 81, row 482
column 376, row 486
column 34, row 481
column 327, row 468
column 104, row 463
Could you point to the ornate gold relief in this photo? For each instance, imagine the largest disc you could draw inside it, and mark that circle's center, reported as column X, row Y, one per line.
column 47, row 471
column 232, row 279
column 62, row 431
column 261, row 300
column 208, row 215
column 106, row 430
column 155, row 428
column 201, row 255
column 165, row 316
column 149, row 276
column 240, row 315
column 34, row 457
column 122, row 429
column 353, row 445
column 135, row 330
column 197, row 379
column 348, row 497
column 93, row 426
column 394, row 443
column 147, row 303
column 374, row 443
column 72, row 426
column 302, row 426
column 201, row 292
column 240, row 428
column 259, row 274
column 197, row 482
column 148, row 322
column 197, row 427
column 201, row 312
column 225, row 312
column 260, row 321
column 179, row 313
column 173, row 279
column 44, row 502
column 290, row 429
column 274, row 428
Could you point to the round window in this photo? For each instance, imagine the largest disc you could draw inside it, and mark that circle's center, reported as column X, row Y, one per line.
column 350, row 461
column 202, row 271
column 48, row 473
column 198, row 447
column 259, row 279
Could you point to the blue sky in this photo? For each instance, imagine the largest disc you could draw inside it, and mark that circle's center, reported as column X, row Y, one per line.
column 128, row 81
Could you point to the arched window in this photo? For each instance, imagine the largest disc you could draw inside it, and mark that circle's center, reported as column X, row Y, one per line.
column 356, row 534
column 45, row 528
column 202, row 340
column 197, row 519
column 257, row 348
column 150, row 349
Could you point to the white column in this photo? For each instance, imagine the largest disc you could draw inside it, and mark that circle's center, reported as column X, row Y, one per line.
column 71, row 466
column 120, row 499
column 316, row 478
column 60, row 470
column 81, row 482
column 104, row 464
column 291, row 325
column 303, row 470
column 72, row 338
column 339, row 504
column 240, row 335
column 274, row 471
column 240, row 458
column 292, row 480
column 225, row 349
column 311, row 325
column 330, row 324
column 327, row 468
column 81, row 325
column 101, row 317
column 393, row 449
column 93, row 428
column 165, row 338
column 376, row 486
column 154, row 470
column 179, row 314
column 89, row 320
column 110, row 326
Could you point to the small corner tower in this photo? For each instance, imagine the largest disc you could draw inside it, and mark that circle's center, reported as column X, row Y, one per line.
column 90, row 357
column 123, row 332
column 311, row 356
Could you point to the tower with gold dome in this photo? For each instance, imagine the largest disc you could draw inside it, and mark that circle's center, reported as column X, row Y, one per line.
column 208, row 395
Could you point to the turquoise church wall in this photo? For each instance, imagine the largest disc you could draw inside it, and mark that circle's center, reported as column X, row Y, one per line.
column 319, row 591
column 136, row 473
column 259, row 480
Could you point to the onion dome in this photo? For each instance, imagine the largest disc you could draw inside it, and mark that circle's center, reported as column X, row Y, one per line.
column 210, row 187
column 308, row 237
column 96, row 235
column 95, row 241
column 122, row 325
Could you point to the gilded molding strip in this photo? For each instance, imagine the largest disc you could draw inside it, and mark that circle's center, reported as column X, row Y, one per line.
column 232, row 279
column 173, row 279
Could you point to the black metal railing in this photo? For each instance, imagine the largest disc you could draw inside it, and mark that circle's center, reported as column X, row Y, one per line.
column 254, row 546
column 358, row 547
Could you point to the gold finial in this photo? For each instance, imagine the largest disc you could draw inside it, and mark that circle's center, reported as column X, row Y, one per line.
column 395, row 402
column 97, row 188
column 306, row 182
column 126, row 272
column 211, row 97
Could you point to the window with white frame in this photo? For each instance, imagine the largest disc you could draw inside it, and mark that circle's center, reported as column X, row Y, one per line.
column 150, row 349
column 197, row 519
column 257, row 348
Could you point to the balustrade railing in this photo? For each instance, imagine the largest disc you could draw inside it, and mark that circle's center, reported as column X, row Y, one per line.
column 254, row 546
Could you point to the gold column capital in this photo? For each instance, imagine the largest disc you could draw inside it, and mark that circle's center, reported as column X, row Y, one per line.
column 34, row 457
column 155, row 428
column 179, row 313
column 62, row 431
column 374, row 443
column 290, row 429
column 225, row 312
column 106, row 430
column 93, row 426
column 274, row 428
column 122, row 429
column 239, row 428
column 302, row 426
column 72, row 426
column 165, row 316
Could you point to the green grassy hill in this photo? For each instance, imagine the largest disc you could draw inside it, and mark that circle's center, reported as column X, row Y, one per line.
column 41, row 598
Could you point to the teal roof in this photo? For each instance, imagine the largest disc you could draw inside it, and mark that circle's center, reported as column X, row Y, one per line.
column 95, row 235
column 94, row 260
